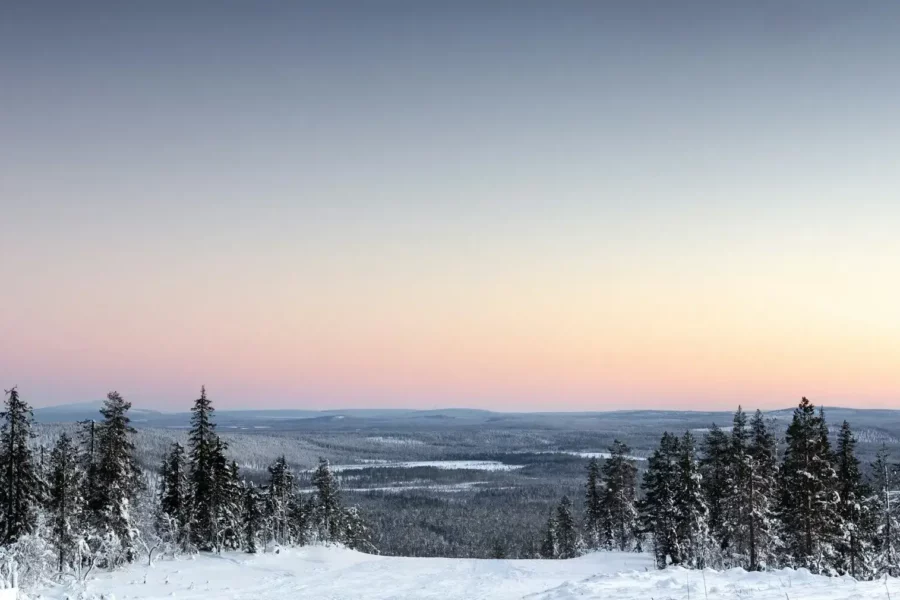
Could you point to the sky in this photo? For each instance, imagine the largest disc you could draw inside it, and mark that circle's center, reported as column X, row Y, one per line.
column 505, row 205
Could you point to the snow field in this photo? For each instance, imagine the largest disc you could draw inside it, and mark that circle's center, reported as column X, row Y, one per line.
column 330, row 573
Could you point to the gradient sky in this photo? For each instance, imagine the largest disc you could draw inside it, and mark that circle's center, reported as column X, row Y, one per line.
column 508, row 205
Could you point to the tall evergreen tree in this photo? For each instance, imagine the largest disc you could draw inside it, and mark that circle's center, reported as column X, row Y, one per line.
column 594, row 517
column 328, row 503
column 736, row 503
column 714, row 466
column 175, row 500
column 65, row 500
column 762, row 495
column 204, row 444
column 854, row 546
column 20, row 492
column 548, row 541
column 281, row 494
column 692, row 513
column 886, row 560
column 659, row 512
column 117, row 473
column 809, row 500
column 567, row 542
column 620, row 498
column 252, row 518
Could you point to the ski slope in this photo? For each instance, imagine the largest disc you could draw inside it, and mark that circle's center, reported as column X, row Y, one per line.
column 324, row 573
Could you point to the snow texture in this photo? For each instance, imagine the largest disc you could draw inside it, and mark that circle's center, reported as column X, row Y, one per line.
column 330, row 573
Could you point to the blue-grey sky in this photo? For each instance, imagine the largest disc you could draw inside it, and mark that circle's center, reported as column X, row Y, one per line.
column 498, row 204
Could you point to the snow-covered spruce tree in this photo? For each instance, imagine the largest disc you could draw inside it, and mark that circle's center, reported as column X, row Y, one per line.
column 594, row 510
column 231, row 509
column 20, row 492
column 854, row 546
column 252, row 518
column 65, row 501
column 659, row 513
column 355, row 532
column 692, row 513
column 328, row 503
column 620, row 498
column 736, row 502
column 549, row 547
column 762, row 534
column 203, row 445
column 887, row 529
column 567, row 542
column 175, row 500
column 714, row 466
column 299, row 520
column 87, row 437
column 118, row 477
column 809, row 499
column 280, row 498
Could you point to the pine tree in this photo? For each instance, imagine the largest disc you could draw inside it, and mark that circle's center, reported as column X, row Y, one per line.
column 620, row 498
column 887, row 528
column 854, row 545
column 355, row 532
column 692, row 513
column 714, row 466
column 594, row 510
column 328, row 503
column 567, row 542
column 659, row 512
column 20, row 492
column 809, row 500
column 203, row 454
column 65, row 500
column 762, row 495
column 117, row 474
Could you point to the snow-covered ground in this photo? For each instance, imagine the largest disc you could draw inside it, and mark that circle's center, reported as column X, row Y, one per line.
column 322, row 573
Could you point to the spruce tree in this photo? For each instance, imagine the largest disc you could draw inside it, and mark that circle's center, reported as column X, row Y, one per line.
column 620, row 498
column 175, row 500
column 20, row 492
column 714, row 466
column 203, row 454
column 854, row 546
column 594, row 516
column 762, row 495
column 252, row 518
column 548, row 541
column 117, row 474
column 692, row 513
column 567, row 542
column 328, row 503
column 281, row 493
column 659, row 512
column 886, row 560
column 809, row 500
column 65, row 500
column 736, row 503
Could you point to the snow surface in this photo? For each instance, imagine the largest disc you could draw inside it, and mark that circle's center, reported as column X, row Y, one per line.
column 328, row 573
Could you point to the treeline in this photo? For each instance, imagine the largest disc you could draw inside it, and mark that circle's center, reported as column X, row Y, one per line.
column 733, row 503
column 87, row 504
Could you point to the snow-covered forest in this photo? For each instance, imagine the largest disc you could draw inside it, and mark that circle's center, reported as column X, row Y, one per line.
column 77, row 505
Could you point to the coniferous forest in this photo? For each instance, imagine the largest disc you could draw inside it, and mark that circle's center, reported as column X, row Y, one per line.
column 734, row 498
column 86, row 504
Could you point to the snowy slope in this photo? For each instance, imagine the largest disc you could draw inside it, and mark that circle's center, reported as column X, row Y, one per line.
column 338, row 574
